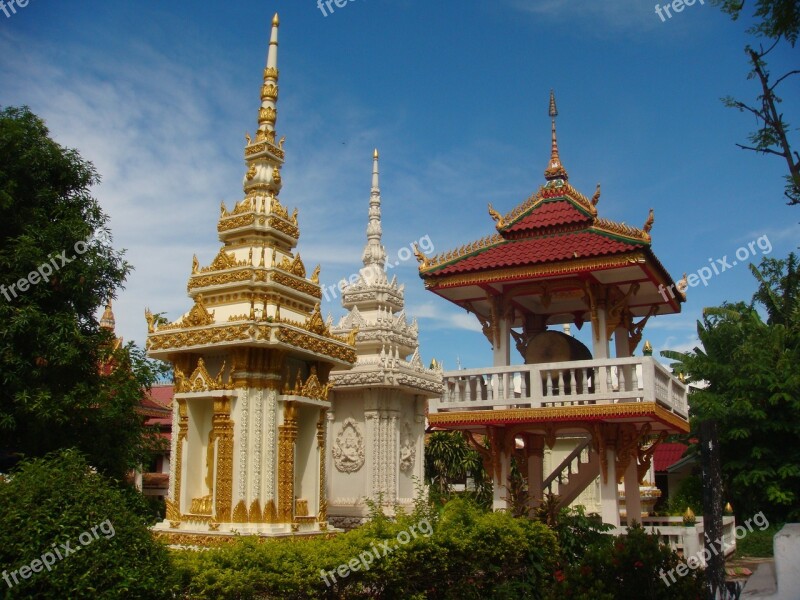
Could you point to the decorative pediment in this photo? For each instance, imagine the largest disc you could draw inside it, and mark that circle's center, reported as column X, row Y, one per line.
column 200, row 380
column 198, row 315
column 352, row 319
column 223, row 261
column 315, row 324
column 295, row 267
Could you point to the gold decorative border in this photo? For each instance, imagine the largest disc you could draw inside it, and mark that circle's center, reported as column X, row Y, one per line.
column 535, row 415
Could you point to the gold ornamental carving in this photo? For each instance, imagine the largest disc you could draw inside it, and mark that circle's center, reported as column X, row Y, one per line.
column 312, row 388
column 287, row 434
column 199, row 337
column 305, row 341
column 229, row 223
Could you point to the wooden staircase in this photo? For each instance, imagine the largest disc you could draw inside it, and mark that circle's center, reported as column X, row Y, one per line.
column 573, row 474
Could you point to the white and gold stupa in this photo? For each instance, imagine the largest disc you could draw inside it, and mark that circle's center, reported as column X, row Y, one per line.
column 251, row 362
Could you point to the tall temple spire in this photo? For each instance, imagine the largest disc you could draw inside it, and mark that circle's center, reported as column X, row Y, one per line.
column 374, row 252
column 263, row 155
column 268, row 113
column 554, row 170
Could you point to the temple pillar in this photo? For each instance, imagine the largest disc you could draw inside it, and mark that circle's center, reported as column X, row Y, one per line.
column 501, row 468
column 622, row 350
column 633, row 497
column 599, row 335
column 534, row 446
column 287, row 434
column 501, row 349
column 609, row 495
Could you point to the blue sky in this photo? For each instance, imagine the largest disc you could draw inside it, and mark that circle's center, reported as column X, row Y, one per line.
column 159, row 95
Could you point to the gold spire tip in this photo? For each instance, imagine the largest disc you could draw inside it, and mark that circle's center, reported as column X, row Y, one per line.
column 375, row 154
column 276, row 21
column 553, row 109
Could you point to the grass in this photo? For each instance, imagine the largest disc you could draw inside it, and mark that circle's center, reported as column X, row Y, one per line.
column 757, row 544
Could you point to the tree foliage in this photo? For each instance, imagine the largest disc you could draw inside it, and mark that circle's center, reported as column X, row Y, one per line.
column 747, row 376
column 51, row 345
column 56, row 501
column 777, row 20
column 450, row 458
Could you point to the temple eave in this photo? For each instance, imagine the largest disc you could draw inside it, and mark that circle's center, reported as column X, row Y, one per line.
column 631, row 412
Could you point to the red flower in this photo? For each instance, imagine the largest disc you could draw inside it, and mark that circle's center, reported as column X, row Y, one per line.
column 559, row 575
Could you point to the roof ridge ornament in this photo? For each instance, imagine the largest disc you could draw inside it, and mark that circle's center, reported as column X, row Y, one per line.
column 555, row 170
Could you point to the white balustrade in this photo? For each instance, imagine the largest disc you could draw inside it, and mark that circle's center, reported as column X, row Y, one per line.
column 575, row 383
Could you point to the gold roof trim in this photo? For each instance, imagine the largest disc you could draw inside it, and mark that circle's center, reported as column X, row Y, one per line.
column 537, row 415
column 614, row 228
column 441, row 259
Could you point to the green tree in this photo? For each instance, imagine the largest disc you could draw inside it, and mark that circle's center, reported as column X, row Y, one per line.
column 449, row 458
column 747, row 377
column 776, row 20
column 56, row 269
column 59, row 500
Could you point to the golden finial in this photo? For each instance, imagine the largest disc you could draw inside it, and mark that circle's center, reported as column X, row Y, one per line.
column 276, row 21
column 683, row 284
column 651, row 218
column 375, row 154
column 421, row 258
column 247, row 137
column 315, row 275
column 498, row 218
column 688, row 517
column 728, row 509
column 555, row 170
column 596, row 197
column 195, row 264
column 107, row 321
column 648, row 348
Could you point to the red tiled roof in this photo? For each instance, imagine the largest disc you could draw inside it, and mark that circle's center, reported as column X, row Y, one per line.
column 162, row 394
column 560, row 212
column 667, row 455
column 531, row 251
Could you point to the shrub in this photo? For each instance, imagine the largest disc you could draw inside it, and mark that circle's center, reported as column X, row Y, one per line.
column 689, row 495
column 57, row 500
column 469, row 554
column 634, row 566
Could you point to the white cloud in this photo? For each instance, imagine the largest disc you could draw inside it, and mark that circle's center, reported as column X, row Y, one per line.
column 605, row 17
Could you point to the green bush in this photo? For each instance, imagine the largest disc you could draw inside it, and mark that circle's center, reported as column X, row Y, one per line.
column 48, row 502
column 689, row 495
column 470, row 554
column 577, row 532
column 634, row 566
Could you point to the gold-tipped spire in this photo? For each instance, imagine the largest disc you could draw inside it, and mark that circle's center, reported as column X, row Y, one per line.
column 555, row 170
column 268, row 113
column 107, row 321
column 375, row 154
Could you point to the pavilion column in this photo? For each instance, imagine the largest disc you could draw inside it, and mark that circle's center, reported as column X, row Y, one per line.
column 501, row 349
column 534, row 446
column 501, row 468
column 622, row 350
column 599, row 337
column 633, row 497
column 609, row 495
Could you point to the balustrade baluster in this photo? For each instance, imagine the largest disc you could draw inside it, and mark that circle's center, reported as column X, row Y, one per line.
column 573, row 383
